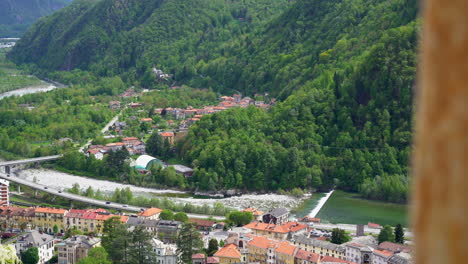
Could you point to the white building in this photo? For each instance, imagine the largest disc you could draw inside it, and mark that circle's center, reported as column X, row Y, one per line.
column 165, row 253
column 43, row 242
column 358, row 253
column 4, row 192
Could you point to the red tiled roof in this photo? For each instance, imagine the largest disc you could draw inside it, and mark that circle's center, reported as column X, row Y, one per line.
column 253, row 211
column 229, row 251
column 308, row 256
column 50, row 210
column 394, row 247
column 384, row 253
column 284, row 228
column 201, row 222
column 150, row 212
column 167, row 134
column 212, row 260
column 373, row 225
column 335, row 260
column 129, row 138
column 115, row 144
column 285, row 248
column 262, row 242
column 146, row 119
column 198, row 256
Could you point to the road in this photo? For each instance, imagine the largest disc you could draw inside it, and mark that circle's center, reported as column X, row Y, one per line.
column 23, row 161
column 352, row 228
column 103, row 130
column 99, row 203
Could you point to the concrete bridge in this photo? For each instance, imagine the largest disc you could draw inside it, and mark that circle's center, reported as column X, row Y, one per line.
column 83, row 199
column 8, row 164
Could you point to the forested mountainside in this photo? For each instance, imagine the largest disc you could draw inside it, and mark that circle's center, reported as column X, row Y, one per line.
column 129, row 37
column 343, row 70
column 17, row 15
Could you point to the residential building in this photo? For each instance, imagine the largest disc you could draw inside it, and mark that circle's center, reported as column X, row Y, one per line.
column 333, row 260
column 285, row 252
column 276, row 216
column 203, row 225
column 184, row 170
column 150, row 213
column 267, row 251
column 46, row 218
column 198, row 258
column 12, row 217
column 168, row 230
column 306, row 257
column 165, row 253
column 278, row 232
column 320, row 247
column 4, row 192
column 34, row 238
column 401, row 258
column 229, row 254
column 169, row 136
column 71, row 250
column 212, row 260
column 91, row 220
column 256, row 213
column 381, row 256
column 394, row 247
column 148, row 224
column 358, row 253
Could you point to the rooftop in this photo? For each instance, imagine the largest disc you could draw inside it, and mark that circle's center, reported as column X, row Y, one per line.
column 284, row 228
column 229, row 251
column 50, row 210
column 150, row 212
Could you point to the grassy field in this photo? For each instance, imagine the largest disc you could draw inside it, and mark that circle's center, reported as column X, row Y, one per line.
column 11, row 78
column 343, row 207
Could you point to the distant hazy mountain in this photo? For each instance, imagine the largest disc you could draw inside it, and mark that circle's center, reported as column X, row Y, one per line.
column 17, row 15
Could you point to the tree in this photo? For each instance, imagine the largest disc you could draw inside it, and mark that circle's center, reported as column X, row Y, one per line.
column 30, row 256
column 97, row 255
column 188, row 242
column 386, row 234
column 181, row 216
column 339, row 236
column 240, row 218
column 166, row 215
column 75, row 189
column 55, row 229
column 212, row 247
column 141, row 249
column 399, row 234
column 155, row 144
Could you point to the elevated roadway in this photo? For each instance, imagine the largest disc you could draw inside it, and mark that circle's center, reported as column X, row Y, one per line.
column 83, row 199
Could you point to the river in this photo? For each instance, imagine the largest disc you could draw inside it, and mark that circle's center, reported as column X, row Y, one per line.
column 60, row 180
column 45, row 87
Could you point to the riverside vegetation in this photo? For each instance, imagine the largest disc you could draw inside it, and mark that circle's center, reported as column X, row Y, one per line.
column 343, row 72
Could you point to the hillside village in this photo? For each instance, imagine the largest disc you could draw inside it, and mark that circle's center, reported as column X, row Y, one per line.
column 269, row 238
column 171, row 123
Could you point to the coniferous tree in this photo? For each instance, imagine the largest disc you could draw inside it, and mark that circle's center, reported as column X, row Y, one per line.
column 188, row 242
column 399, row 234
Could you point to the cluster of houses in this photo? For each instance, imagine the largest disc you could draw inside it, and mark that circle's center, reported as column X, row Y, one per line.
column 270, row 239
column 132, row 144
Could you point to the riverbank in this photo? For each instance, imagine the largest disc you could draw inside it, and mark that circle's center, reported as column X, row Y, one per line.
column 59, row 180
column 344, row 207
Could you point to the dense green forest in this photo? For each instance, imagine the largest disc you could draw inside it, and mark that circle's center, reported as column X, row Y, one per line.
column 343, row 70
column 16, row 16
